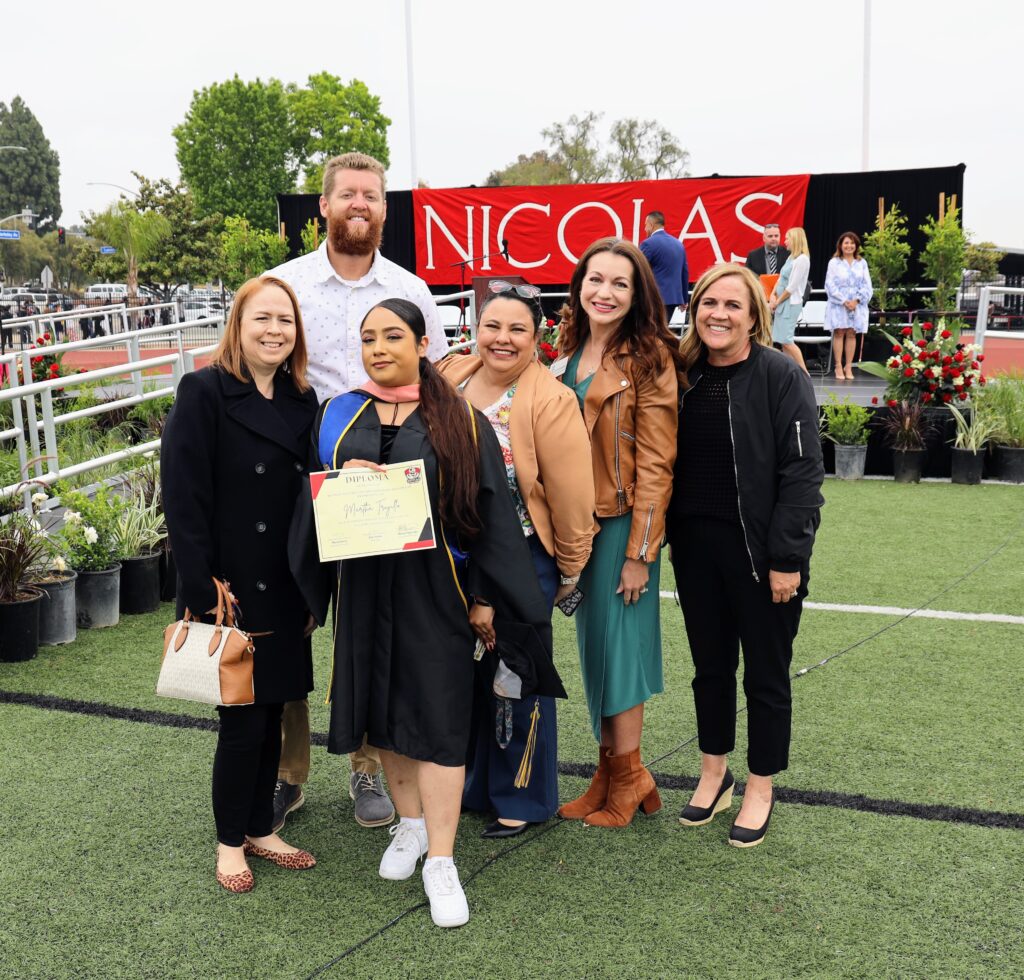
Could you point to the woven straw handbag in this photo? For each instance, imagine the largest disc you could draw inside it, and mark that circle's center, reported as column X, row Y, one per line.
column 209, row 664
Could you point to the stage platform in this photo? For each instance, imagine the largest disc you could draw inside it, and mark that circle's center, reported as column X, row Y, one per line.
column 860, row 390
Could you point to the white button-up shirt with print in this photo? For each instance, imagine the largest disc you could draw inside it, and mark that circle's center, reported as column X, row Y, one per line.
column 333, row 308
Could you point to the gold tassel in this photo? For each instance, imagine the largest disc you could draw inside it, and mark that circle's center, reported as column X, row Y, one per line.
column 526, row 765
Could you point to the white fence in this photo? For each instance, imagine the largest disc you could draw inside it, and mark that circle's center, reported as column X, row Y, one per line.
column 38, row 458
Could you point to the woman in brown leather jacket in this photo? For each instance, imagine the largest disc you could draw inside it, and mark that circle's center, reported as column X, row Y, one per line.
column 624, row 366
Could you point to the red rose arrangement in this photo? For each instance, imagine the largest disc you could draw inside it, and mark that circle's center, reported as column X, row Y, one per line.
column 547, row 347
column 44, row 366
column 929, row 364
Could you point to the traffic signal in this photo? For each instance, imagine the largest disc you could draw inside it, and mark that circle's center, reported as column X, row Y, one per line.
column 60, row 236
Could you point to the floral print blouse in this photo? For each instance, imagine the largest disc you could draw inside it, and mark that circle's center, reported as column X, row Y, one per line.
column 499, row 415
column 845, row 281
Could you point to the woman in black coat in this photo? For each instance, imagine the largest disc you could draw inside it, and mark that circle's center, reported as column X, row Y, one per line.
column 232, row 465
column 741, row 523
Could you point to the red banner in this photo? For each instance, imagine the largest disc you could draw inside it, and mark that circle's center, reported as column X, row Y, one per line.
column 547, row 228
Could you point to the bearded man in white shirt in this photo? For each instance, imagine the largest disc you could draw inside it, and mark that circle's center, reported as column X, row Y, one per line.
column 336, row 286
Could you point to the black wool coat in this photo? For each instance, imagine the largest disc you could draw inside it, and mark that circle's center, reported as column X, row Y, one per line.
column 232, row 465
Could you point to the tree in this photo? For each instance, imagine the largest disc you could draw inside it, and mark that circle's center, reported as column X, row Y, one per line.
column 983, row 258
column 575, row 144
column 29, row 177
column 23, row 260
column 246, row 251
column 529, row 171
column 237, row 149
column 330, row 117
column 135, row 233
column 943, row 256
column 312, row 235
column 643, row 150
column 640, row 150
column 190, row 252
column 886, row 251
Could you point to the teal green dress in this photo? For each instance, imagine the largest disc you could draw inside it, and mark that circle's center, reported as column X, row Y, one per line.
column 620, row 645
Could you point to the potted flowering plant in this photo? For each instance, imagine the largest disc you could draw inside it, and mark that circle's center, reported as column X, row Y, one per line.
column 45, row 366
column 930, row 364
column 21, row 546
column 139, row 532
column 89, row 539
column 54, row 577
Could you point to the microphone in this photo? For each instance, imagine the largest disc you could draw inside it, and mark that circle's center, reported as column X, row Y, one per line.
column 504, row 249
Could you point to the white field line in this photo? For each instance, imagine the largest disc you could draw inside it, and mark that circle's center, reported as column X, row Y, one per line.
column 897, row 611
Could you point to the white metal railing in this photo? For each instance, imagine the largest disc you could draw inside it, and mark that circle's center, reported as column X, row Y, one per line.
column 59, row 320
column 38, row 458
column 984, row 298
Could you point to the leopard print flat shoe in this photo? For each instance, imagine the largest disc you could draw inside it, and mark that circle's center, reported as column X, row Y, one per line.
column 298, row 861
column 239, row 884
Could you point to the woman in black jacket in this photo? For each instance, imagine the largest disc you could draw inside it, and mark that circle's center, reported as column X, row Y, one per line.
column 744, row 511
column 233, row 461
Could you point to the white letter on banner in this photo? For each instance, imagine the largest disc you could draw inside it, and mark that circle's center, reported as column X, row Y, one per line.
column 749, row 222
column 575, row 210
column 638, row 203
column 503, row 224
column 432, row 217
column 685, row 234
column 485, row 237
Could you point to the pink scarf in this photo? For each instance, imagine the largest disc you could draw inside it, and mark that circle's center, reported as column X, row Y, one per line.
column 398, row 394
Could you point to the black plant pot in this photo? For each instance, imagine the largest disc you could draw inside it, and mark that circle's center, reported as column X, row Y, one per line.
column 907, row 464
column 1009, row 464
column 19, row 629
column 967, row 466
column 168, row 577
column 140, row 584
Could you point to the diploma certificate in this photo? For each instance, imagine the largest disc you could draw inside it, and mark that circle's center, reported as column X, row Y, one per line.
column 360, row 512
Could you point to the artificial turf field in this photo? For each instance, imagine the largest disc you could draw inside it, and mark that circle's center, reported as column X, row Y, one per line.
column 897, row 849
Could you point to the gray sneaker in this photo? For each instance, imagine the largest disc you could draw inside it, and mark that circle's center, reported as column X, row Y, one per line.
column 373, row 806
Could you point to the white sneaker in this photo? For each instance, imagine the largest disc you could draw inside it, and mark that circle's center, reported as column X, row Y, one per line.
column 448, row 905
column 407, row 847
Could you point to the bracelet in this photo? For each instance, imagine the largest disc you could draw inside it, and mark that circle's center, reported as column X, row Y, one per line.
column 569, row 579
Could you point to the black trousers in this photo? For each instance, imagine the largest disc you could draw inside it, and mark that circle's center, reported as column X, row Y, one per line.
column 670, row 308
column 725, row 608
column 245, row 771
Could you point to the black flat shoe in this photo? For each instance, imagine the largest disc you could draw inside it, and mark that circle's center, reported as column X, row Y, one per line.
column 745, row 837
column 697, row 816
column 498, row 830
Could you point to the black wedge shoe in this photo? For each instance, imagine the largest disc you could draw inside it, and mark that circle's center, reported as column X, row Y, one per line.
column 697, row 816
column 745, row 837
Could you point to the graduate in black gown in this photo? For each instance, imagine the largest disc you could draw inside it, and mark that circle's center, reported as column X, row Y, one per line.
column 403, row 645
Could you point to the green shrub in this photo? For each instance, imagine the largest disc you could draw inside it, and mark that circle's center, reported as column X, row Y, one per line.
column 846, row 424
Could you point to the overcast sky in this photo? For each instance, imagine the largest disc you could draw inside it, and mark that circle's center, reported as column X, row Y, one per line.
column 747, row 87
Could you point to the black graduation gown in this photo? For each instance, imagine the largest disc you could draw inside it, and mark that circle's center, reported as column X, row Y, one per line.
column 232, row 466
column 403, row 648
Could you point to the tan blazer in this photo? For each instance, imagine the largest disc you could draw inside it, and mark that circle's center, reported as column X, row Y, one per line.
column 551, row 454
column 633, row 431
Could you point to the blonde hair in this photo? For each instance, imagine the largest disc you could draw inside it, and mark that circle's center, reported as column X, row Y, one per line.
column 228, row 355
column 761, row 333
column 799, row 239
column 352, row 161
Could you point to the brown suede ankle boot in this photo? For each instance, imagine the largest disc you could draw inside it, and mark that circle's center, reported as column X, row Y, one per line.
column 593, row 799
column 631, row 786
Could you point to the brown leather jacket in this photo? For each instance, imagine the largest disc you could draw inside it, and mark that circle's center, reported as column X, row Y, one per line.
column 633, row 435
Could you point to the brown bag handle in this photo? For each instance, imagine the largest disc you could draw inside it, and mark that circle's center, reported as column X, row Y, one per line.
column 223, row 609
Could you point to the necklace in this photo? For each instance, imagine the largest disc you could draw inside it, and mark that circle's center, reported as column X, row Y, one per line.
column 394, row 415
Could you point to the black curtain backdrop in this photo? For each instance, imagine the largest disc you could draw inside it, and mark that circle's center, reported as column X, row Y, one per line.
column 835, row 203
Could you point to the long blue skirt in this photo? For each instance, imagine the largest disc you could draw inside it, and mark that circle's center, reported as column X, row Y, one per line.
column 491, row 770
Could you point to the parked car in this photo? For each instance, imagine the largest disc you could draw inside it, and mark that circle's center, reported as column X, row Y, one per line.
column 107, row 291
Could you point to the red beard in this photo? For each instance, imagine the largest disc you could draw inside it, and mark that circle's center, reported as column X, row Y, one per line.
column 346, row 243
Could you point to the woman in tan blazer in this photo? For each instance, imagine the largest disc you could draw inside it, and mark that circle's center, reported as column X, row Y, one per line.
column 547, row 458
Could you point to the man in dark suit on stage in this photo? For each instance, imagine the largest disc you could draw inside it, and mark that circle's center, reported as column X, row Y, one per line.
column 667, row 256
column 771, row 257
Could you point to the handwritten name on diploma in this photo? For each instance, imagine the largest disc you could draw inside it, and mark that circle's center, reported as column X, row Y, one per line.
column 362, row 513
column 384, row 509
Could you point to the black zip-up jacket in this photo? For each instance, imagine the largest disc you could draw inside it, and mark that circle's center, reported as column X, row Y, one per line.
column 773, row 420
